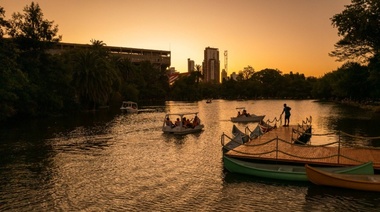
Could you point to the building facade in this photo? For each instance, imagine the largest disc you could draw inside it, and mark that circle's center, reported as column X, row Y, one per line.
column 159, row 58
column 190, row 65
column 224, row 75
column 211, row 65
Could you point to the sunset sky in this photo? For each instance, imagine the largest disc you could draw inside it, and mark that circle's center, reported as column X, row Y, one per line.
column 288, row 35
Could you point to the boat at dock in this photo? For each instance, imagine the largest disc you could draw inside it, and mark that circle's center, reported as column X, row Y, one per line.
column 280, row 145
column 287, row 172
column 351, row 181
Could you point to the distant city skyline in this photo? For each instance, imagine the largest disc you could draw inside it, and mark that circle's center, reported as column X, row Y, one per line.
column 291, row 36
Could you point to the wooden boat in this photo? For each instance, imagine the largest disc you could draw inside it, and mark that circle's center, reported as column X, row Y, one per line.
column 179, row 127
column 208, row 101
column 286, row 172
column 129, row 107
column 366, row 182
column 243, row 116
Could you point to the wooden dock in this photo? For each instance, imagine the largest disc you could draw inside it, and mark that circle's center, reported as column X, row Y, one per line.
column 278, row 145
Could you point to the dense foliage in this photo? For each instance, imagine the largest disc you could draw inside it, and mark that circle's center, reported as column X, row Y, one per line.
column 35, row 83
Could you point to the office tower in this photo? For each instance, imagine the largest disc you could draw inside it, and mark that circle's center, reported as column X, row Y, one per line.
column 211, row 65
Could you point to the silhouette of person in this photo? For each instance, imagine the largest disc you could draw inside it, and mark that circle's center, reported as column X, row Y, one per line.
column 286, row 110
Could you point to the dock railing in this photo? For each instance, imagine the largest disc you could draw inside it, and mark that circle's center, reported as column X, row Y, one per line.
column 282, row 147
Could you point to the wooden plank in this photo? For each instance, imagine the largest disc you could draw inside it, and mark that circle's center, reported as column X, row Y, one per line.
column 277, row 145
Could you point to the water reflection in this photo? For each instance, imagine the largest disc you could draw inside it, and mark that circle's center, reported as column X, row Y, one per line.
column 114, row 161
column 340, row 199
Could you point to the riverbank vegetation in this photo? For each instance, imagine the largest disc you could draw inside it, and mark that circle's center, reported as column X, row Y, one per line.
column 35, row 83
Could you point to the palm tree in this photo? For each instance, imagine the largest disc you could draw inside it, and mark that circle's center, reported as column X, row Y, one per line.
column 198, row 73
column 93, row 78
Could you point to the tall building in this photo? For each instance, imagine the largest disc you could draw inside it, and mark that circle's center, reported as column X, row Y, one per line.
column 211, row 65
column 224, row 75
column 190, row 65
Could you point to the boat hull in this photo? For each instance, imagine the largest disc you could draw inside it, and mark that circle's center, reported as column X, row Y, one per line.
column 129, row 110
column 247, row 118
column 179, row 130
column 350, row 181
column 286, row 172
column 129, row 107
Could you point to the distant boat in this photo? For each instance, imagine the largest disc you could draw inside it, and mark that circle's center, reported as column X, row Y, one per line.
column 129, row 107
column 208, row 101
column 286, row 172
column 180, row 128
column 367, row 182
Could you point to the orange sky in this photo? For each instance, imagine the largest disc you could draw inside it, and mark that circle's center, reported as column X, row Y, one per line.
column 288, row 35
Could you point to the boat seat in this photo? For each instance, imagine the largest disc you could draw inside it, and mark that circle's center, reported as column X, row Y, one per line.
column 285, row 169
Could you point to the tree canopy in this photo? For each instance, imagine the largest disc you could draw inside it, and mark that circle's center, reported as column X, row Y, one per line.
column 359, row 26
column 32, row 25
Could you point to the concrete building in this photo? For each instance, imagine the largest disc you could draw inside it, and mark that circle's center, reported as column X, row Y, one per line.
column 211, row 65
column 190, row 65
column 159, row 58
column 224, row 75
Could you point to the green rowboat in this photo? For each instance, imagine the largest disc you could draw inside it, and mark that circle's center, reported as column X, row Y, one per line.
column 287, row 172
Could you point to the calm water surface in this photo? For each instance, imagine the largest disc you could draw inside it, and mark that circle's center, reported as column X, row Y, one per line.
column 109, row 161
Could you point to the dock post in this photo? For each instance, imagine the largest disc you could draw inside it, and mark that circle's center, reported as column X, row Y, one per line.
column 276, row 147
column 338, row 146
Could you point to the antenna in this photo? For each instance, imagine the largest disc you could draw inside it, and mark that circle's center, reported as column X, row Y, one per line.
column 226, row 61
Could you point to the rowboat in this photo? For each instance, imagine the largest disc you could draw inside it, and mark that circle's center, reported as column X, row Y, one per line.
column 129, row 107
column 286, row 172
column 239, row 135
column 243, row 116
column 180, row 127
column 366, row 182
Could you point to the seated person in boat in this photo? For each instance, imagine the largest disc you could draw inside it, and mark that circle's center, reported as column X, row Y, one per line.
column 239, row 114
column 177, row 122
column 196, row 121
column 169, row 123
column 245, row 113
column 188, row 123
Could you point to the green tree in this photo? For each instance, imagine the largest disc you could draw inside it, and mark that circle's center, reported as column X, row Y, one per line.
column 94, row 77
column 3, row 23
column 198, row 73
column 155, row 83
column 12, row 79
column 32, row 34
column 270, row 82
column 351, row 82
column 129, row 79
column 359, row 26
column 32, row 26
column 247, row 72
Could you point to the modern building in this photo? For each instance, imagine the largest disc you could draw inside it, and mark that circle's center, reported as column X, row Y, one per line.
column 190, row 65
column 224, row 75
column 159, row 58
column 211, row 65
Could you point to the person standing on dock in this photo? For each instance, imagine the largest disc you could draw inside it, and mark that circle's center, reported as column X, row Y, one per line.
column 286, row 110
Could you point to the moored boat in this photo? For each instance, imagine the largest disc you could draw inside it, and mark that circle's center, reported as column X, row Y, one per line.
column 181, row 126
column 286, row 172
column 366, row 182
column 243, row 116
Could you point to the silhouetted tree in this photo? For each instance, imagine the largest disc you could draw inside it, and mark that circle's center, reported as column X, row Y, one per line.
column 359, row 25
column 93, row 77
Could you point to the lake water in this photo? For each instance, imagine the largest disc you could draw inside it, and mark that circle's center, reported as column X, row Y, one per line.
column 110, row 161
